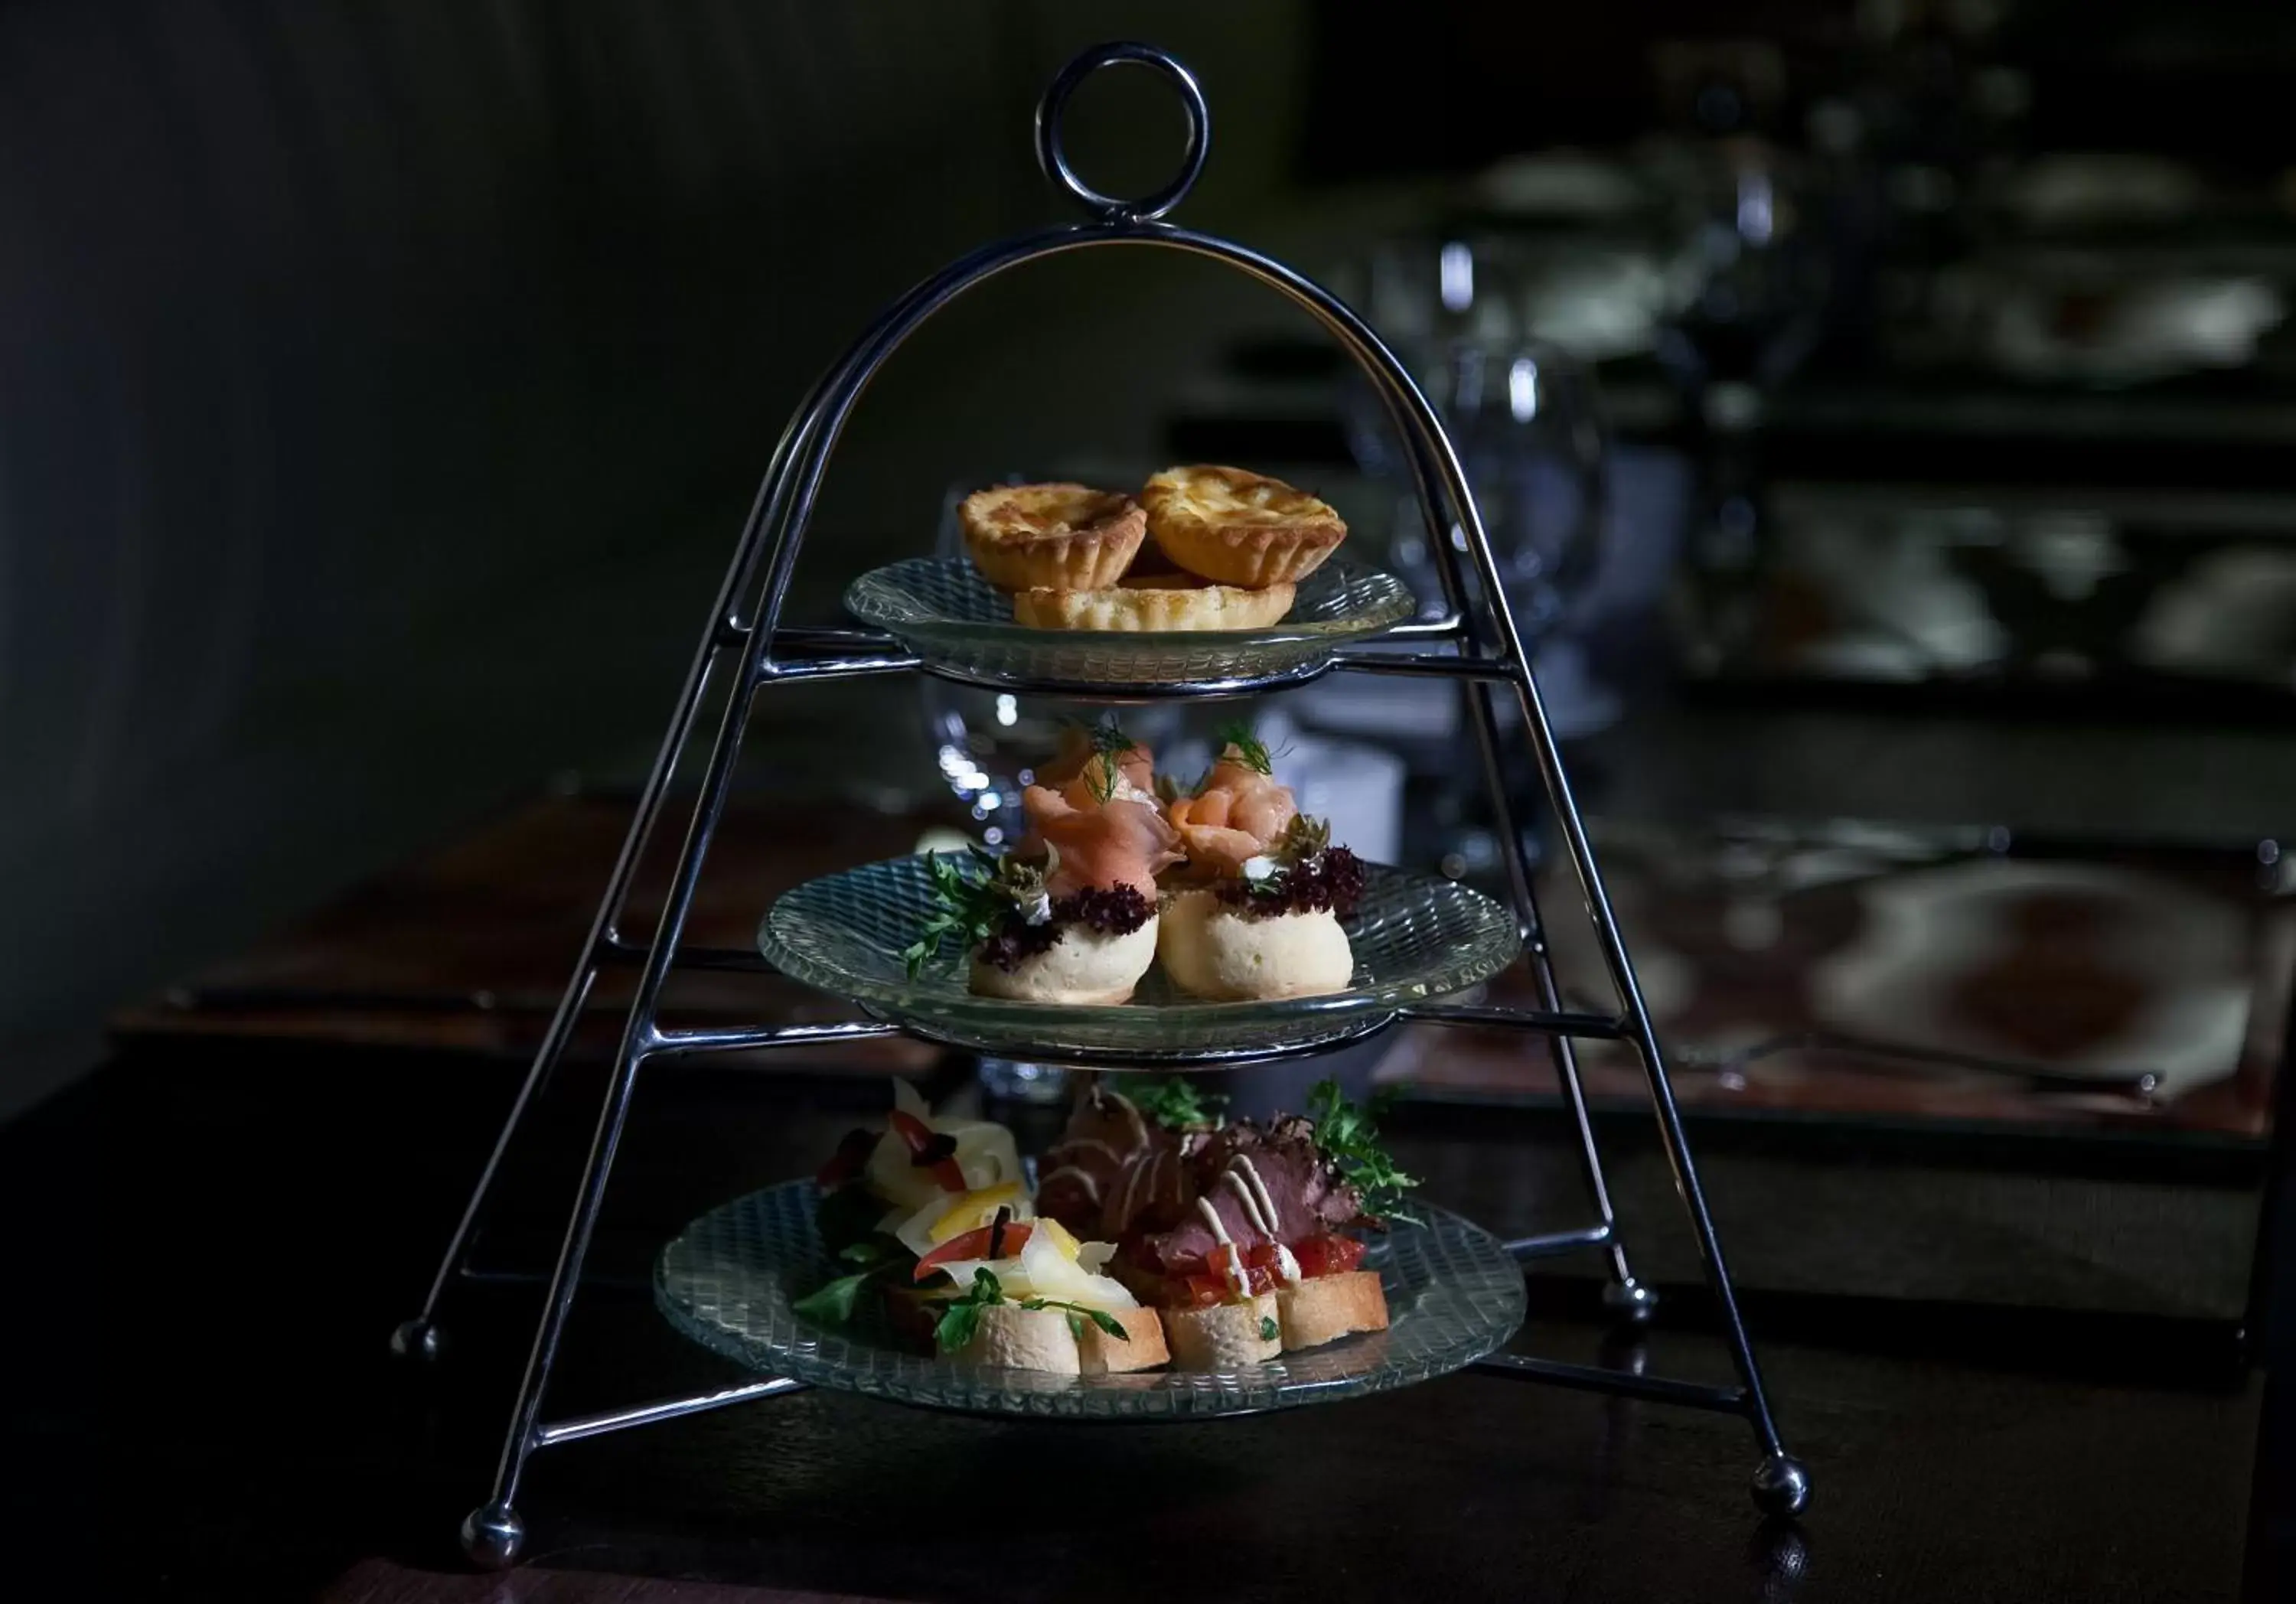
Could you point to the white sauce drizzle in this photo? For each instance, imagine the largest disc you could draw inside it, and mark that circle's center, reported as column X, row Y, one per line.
column 1239, row 1278
column 1132, row 1174
column 1091, row 1186
column 1060, row 1147
column 1260, row 1205
column 1132, row 1115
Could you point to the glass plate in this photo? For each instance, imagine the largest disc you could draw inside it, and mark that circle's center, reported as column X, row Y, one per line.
column 1414, row 936
column 942, row 609
column 1453, row 1294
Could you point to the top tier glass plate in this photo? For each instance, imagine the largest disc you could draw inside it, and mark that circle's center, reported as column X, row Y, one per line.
column 961, row 627
column 1414, row 936
column 727, row 1282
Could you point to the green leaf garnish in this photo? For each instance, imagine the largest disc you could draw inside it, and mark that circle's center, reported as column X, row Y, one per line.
column 1304, row 840
column 1176, row 1104
column 1079, row 1313
column 971, row 897
column 1249, row 751
column 1267, row 1328
column 834, row 1302
column 1349, row 1138
column 962, row 1319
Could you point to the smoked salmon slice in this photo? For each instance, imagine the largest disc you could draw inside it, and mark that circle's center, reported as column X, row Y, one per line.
column 1103, row 846
column 1239, row 814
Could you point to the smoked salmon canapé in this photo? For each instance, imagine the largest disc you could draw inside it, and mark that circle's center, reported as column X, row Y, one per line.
column 1070, row 915
column 1255, row 912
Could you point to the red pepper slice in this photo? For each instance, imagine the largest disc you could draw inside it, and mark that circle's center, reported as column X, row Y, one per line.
column 921, row 1139
column 973, row 1245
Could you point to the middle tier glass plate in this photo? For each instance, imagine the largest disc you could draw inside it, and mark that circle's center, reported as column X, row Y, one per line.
column 961, row 627
column 1414, row 936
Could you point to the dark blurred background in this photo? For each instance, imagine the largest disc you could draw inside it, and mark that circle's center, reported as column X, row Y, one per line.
column 385, row 384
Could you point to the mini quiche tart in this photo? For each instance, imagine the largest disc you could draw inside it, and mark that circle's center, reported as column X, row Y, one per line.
column 1052, row 537
column 1166, row 602
column 1237, row 528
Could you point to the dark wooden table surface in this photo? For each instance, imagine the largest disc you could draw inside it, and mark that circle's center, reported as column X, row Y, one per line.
column 211, row 1240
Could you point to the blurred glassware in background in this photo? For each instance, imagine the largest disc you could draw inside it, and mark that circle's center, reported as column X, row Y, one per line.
column 1466, row 315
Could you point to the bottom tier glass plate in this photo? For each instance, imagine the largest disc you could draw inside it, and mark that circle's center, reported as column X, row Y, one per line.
column 1415, row 936
column 727, row 1282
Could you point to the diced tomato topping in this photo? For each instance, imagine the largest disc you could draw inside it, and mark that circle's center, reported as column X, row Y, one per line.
column 846, row 1162
column 927, row 1149
column 1219, row 1278
column 975, row 1245
column 1328, row 1255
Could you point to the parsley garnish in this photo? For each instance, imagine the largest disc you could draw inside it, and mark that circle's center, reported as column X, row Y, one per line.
column 1176, row 1103
column 1349, row 1139
column 971, row 897
column 1249, row 751
column 1267, row 1328
column 961, row 1322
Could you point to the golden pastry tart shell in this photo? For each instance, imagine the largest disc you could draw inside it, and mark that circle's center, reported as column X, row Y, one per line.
column 1051, row 537
column 1154, row 605
column 1238, row 528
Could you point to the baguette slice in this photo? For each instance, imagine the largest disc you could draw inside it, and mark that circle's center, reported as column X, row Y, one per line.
column 1039, row 1340
column 1036, row 1340
column 1325, row 1308
column 1225, row 1335
column 1098, row 1353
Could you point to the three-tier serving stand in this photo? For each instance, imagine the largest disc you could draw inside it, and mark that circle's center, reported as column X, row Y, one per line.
column 1475, row 644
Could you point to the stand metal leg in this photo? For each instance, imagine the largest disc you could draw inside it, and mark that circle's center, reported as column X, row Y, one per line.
column 1629, row 1298
column 420, row 1337
column 1781, row 1484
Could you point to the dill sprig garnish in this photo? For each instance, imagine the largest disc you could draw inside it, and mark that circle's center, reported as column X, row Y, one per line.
column 1236, row 736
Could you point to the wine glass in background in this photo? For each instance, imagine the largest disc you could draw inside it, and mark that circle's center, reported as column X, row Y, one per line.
column 1524, row 415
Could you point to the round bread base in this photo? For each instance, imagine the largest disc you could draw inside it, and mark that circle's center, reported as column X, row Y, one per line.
column 1212, row 951
column 1081, row 967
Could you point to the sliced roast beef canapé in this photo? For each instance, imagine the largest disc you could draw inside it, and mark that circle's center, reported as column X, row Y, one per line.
column 1261, row 1186
column 1116, row 1171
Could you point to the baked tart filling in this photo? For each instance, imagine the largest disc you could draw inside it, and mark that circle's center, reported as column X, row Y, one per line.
column 1066, row 537
column 1238, row 528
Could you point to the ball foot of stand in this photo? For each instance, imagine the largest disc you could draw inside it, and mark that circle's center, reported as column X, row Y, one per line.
column 494, row 1537
column 419, row 1338
column 1630, row 1302
column 1782, row 1485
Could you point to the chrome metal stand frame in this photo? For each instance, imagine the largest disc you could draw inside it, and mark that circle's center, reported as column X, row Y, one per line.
column 1475, row 642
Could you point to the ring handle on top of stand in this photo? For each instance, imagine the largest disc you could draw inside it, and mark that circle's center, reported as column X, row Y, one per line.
column 1052, row 155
